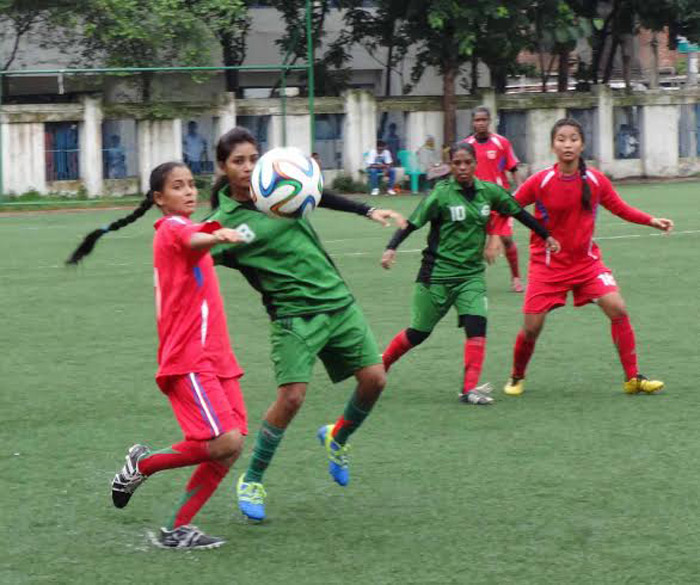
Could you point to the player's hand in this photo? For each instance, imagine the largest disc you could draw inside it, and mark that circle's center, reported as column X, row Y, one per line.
column 493, row 249
column 384, row 215
column 388, row 259
column 552, row 245
column 227, row 235
column 665, row 225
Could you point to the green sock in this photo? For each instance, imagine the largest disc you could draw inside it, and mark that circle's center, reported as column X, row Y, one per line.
column 266, row 443
column 350, row 421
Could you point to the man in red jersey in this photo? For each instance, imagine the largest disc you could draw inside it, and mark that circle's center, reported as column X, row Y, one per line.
column 495, row 161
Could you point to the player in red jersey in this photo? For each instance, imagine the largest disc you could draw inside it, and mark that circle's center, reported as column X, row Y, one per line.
column 495, row 161
column 198, row 371
column 567, row 198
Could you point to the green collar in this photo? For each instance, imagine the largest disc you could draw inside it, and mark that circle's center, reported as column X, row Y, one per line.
column 478, row 185
column 228, row 204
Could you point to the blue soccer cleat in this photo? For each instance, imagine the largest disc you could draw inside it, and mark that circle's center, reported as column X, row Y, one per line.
column 337, row 456
column 251, row 499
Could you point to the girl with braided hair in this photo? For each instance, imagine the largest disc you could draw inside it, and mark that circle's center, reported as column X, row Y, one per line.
column 567, row 197
column 197, row 371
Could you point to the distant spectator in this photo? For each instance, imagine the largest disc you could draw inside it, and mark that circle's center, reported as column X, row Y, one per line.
column 194, row 149
column 115, row 158
column 430, row 162
column 378, row 163
column 317, row 158
column 393, row 142
column 627, row 142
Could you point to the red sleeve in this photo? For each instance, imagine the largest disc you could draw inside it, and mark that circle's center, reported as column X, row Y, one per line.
column 616, row 205
column 512, row 161
column 183, row 231
column 527, row 193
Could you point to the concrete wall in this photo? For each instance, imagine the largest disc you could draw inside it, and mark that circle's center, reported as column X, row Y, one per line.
column 22, row 131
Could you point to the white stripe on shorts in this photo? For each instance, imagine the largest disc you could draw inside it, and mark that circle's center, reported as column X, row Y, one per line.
column 200, row 396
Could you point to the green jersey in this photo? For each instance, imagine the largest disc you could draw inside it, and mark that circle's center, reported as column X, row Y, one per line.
column 458, row 228
column 283, row 259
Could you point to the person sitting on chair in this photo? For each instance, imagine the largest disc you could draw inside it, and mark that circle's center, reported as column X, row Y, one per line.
column 378, row 163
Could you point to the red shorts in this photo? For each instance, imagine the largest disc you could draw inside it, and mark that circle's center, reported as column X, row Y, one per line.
column 500, row 225
column 542, row 297
column 205, row 405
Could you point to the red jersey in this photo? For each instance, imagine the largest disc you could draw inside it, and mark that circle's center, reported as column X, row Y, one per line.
column 189, row 310
column 558, row 207
column 494, row 156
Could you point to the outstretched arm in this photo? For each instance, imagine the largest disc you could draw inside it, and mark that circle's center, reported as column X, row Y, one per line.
column 331, row 200
column 204, row 241
column 389, row 256
column 618, row 206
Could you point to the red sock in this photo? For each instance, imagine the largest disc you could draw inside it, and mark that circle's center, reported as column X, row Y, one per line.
column 512, row 257
column 521, row 354
column 398, row 346
column 203, row 483
column 623, row 338
column 179, row 455
column 474, row 351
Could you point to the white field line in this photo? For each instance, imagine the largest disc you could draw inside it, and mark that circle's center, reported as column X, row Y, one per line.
column 352, row 254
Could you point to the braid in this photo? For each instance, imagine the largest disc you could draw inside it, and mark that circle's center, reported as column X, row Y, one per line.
column 586, row 188
column 219, row 184
column 88, row 243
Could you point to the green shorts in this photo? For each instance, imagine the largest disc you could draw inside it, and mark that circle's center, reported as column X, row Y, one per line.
column 432, row 301
column 342, row 339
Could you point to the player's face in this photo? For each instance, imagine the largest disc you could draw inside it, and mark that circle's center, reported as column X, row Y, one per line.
column 568, row 144
column 238, row 167
column 179, row 194
column 481, row 122
column 463, row 166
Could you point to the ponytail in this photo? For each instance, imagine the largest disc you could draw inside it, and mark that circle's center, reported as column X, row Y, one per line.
column 585, row 187
column 88, row 243
column 219, row 184
column 156, row 183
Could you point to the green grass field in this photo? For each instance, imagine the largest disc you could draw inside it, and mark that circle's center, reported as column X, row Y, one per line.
column 572, row 483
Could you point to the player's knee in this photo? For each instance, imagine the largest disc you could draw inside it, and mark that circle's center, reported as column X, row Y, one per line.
column 292, row 397
column 474, row 325
column 227, row 447
column 507, row 241
column 416, row 337
column 617, row 311
column 532, row 332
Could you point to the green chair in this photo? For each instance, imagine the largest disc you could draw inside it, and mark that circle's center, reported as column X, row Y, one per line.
column 409, row 162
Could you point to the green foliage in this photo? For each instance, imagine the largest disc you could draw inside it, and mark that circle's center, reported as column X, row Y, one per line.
column 346, row 184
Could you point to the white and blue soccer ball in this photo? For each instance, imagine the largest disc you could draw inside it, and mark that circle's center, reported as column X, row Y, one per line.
column 286, row 183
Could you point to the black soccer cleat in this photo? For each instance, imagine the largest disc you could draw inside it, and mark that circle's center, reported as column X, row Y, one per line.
column 129, row 477
column 185, row 537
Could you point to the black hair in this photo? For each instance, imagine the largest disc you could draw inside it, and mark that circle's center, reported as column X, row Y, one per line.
column 156, row 183
column 481, row 109
column 462, row 146
column 224, row 147
column 381, row 143
column 586, row 188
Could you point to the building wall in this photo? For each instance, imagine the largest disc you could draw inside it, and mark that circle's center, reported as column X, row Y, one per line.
column 632, row 135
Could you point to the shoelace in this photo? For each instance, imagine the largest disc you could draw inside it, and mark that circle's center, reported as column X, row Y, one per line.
column 255, row 493
column 340, row 456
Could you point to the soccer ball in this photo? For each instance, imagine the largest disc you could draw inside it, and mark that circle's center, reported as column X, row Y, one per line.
column 286, row 183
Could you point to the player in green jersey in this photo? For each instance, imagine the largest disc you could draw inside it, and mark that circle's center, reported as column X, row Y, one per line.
column 452, row 270
column 312, row 312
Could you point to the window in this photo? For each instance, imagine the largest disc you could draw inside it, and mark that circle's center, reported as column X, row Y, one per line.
column 588, row 118
column 259, row 126
column 513, row 125
column 626, row 128
column 198, row 145
column 62, row 151
column 329, row 140
column 119, row 152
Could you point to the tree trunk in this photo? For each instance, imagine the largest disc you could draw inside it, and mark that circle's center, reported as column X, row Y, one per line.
column 475, row 75
column 389, row 63
column 231, row 75
column 449, row 103
column 611, row 59
column 563, row 78
column 626, row 44
column 654, row 77
column 146, row 89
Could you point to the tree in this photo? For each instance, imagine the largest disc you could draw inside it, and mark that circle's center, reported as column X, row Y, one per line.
column 229, row 23
column 446, row 34
column 375, row 30
column 136, row 33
